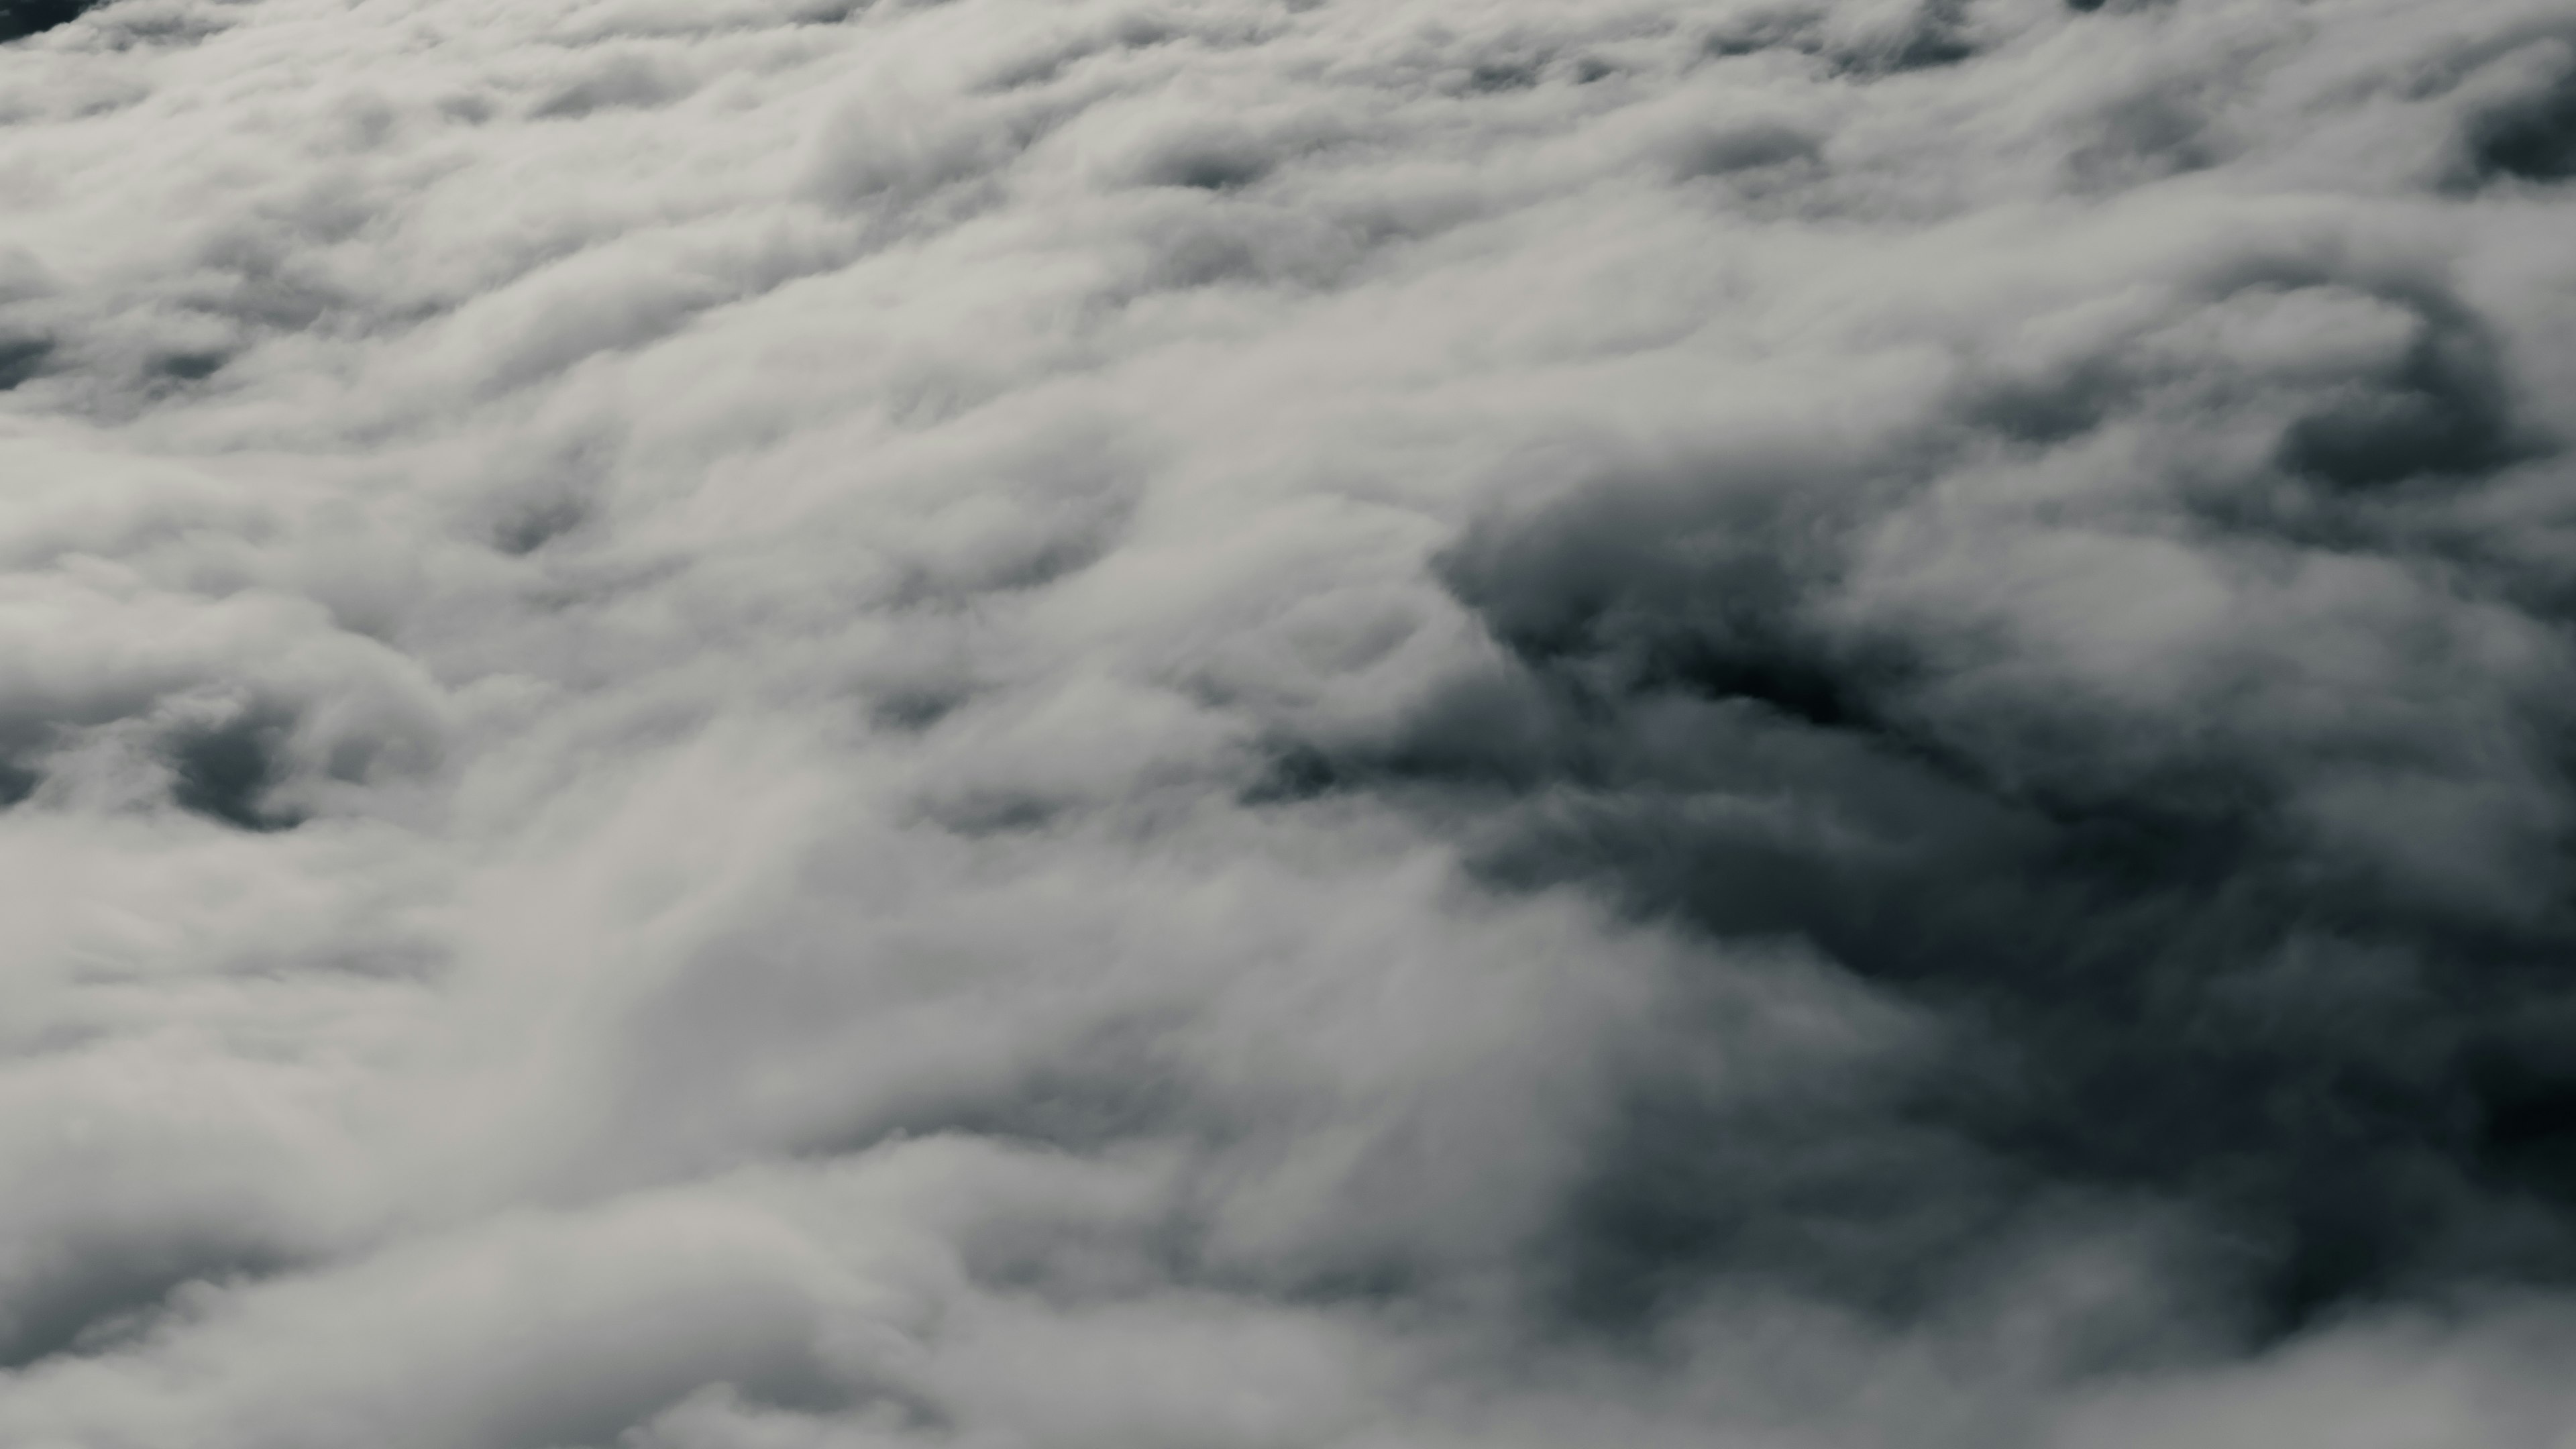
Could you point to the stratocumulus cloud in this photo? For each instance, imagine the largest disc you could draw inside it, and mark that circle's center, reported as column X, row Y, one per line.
column 731, row 724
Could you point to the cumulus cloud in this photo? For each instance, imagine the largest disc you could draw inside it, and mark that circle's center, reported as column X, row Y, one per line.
column 1259, row 723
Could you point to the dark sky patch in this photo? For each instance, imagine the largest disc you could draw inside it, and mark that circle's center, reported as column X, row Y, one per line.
column 22, row 18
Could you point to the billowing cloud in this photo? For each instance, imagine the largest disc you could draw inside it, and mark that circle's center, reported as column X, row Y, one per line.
column 1261, row 723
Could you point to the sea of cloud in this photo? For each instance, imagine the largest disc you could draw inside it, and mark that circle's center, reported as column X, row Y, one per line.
column 1266, row 724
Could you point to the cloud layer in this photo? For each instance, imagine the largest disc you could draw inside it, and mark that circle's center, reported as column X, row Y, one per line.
column 762, row 724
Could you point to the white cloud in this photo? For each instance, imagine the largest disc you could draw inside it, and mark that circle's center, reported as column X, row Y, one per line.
column 789, row 724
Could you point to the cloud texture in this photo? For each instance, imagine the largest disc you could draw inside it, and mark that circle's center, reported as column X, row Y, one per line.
column 1248, row 724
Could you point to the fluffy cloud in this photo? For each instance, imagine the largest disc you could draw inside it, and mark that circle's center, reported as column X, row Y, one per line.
column 772, row 723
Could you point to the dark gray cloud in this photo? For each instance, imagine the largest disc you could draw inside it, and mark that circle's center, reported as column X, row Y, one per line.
column 750, row 724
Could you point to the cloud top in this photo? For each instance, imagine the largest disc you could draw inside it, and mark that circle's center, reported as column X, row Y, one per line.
column 1275, row 724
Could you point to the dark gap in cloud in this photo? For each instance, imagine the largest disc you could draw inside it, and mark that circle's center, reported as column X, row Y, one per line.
column 1037, row 71
column 1142, row 31
column 262, row 271
column 112, row 1296
column 1111, row 1084
column 623, row 83
column 609, row 1402
column 1933, row 37
column 2058, row 406
column 1754, row 34
column 550, row 495
column 2161, row 990
column 2146, row 136
column 1934, row 42
column 981, row 813
column 1204, row 257
column 1292, row 771
column 17, row 782
column 1496, row 77
column 1495, row 65
column 1131, row 33
column 1050, row 561
column 2442, row 411
column 22, row 18
column 1869, row 1211
column 1239, row 242
column 189, row 366
column 1713, row 615
column 2532, row 138
column 26, row 742
column 1211, row 163
column 831, row 12
column 1078, row 535
column 23, row 359
column 226, row 768
column 1762, row 666
column 527, row 529
column 2092, row 955
column 2443, row 408
column 126, row 27
column 1746, row 148
column 2523, row 1080
column 915, row 708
